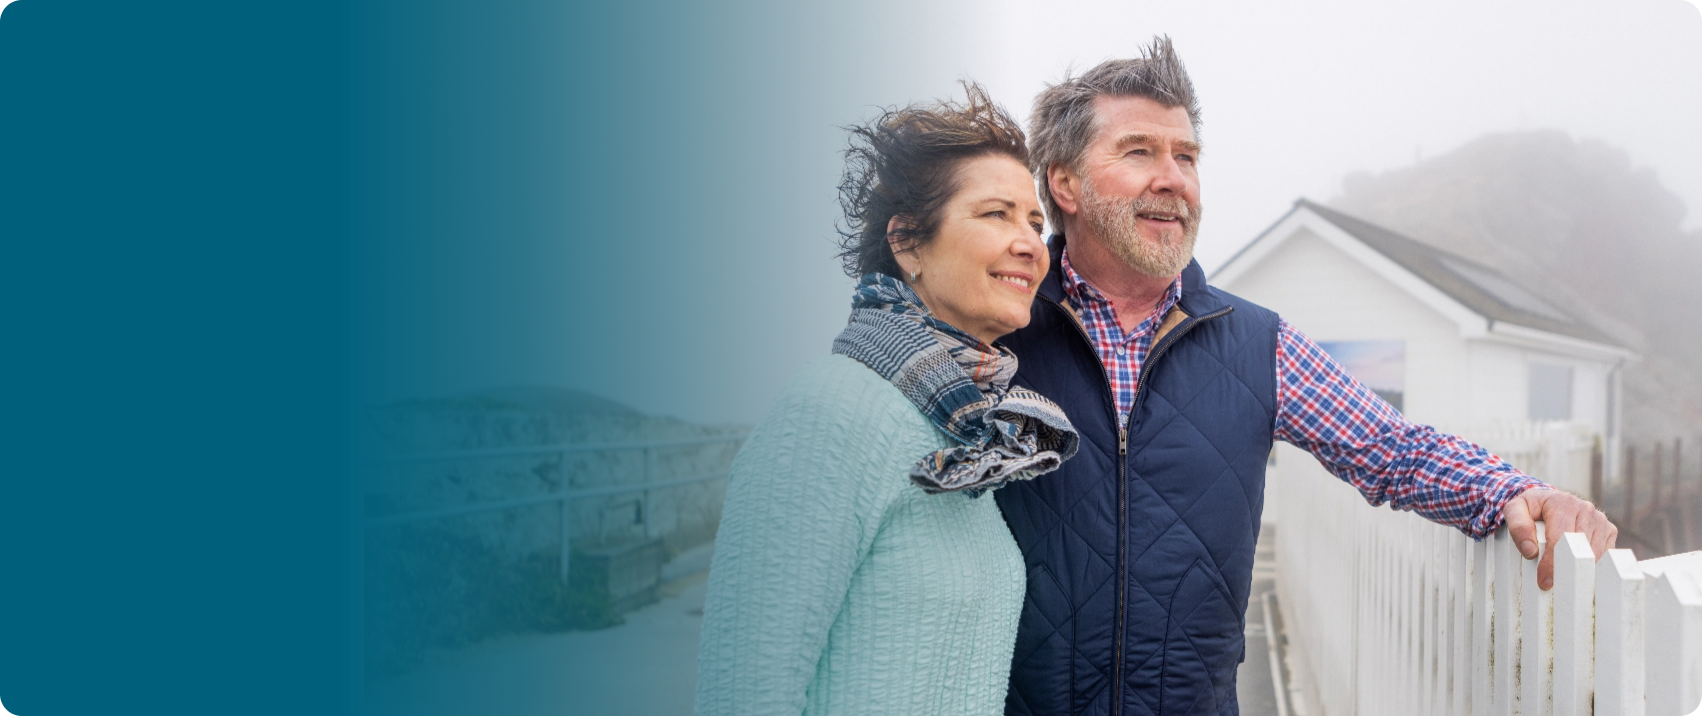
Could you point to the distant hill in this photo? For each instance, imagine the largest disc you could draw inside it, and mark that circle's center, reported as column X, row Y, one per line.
column 1578, row 223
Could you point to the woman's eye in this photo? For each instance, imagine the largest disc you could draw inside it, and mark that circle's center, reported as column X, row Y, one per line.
column 995, row 214
column 1038, row 228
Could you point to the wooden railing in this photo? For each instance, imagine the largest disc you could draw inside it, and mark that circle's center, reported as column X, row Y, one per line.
column 1657, row 502
column 1387, row 613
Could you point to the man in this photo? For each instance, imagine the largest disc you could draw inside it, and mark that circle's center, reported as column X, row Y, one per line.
column 1140, row 550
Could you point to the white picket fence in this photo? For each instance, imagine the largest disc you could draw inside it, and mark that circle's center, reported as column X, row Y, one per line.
column 1558, row 453
column 1387, row 613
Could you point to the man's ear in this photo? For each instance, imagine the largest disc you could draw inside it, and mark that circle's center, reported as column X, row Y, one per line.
column 901, row 245
column 1065, row 187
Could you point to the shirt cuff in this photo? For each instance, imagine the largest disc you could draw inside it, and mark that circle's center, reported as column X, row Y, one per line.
column 1497, row 499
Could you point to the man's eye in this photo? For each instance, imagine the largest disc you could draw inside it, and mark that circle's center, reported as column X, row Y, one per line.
column 1189, row 158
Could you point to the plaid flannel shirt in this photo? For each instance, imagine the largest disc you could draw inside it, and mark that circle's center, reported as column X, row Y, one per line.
column 1324, row 411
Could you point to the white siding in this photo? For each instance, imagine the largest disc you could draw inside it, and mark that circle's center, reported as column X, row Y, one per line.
column 1330, row 296
column 1498, row 376
column 1498, row 384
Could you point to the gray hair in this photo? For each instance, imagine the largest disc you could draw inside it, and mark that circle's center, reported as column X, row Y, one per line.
column 1064, row 121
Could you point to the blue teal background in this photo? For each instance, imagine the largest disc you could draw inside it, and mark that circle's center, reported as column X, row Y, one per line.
column 226, row 228
column 174, row 528
column 631, row 199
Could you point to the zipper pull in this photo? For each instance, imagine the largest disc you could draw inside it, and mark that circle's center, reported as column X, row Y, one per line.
column 1122, row 441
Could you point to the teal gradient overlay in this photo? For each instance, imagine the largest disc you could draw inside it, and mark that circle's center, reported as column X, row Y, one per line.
column 636, row 201
column 176, row 533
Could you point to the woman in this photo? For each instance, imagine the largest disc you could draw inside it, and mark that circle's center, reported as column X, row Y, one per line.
column 855, row 569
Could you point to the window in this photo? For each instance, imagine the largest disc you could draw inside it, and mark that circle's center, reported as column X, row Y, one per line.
column 1550, row 391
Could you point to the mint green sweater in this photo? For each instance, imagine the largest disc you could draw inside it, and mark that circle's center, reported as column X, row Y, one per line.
column 838, row 586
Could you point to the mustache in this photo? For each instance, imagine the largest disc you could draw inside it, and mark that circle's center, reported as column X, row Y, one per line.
column 1163, row 205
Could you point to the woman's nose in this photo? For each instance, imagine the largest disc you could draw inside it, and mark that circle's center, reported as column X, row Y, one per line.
column 1028, row 246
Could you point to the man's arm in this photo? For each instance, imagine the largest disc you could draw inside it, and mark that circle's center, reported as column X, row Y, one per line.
column 1444, row 478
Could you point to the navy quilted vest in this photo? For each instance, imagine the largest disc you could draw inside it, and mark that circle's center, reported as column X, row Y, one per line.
column 1140, row 560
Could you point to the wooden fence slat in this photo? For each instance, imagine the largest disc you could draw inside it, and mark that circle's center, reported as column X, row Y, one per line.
column 1436, row 619
column 1395, row 616
column 1536, row 610
column 1411, row 613
column 1673, row 652
column 1460, row 646
column 1483, row 632
column 1619, row 635
column 1574, row 625
column 1507, row 602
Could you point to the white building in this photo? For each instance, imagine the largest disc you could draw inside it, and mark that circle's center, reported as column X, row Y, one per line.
column 1449, row 341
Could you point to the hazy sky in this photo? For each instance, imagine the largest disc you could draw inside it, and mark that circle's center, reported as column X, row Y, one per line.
column 688, row 270
column 1297, row 95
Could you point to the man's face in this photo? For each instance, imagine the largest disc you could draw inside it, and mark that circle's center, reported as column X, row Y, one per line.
column 1140, row 184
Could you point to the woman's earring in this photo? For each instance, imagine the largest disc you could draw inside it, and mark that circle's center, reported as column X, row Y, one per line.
column 914, row 275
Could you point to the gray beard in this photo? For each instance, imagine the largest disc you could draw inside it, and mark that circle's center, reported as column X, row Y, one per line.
column 1116, row 226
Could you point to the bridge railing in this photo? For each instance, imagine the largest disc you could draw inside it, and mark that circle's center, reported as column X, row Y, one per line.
column 1391, row 614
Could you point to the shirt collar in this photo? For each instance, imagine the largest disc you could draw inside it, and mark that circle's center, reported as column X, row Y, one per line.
column 1083, row 294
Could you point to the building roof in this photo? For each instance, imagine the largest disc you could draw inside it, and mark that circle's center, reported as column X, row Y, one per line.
column 1480, row 288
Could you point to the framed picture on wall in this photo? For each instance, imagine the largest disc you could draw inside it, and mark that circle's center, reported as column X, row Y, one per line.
column 1380, row 365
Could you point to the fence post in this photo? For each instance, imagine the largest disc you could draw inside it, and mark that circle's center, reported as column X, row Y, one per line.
column 566, row 519
column 1574, row 624
column 1619, row 635
column 1677, row 467
column 644, row 497
column 1655, row 479
column 1597, row 494
column 1690, row 509
column 1631, row 488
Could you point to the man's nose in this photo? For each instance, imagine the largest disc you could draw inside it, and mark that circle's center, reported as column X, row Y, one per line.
column 1168, row 177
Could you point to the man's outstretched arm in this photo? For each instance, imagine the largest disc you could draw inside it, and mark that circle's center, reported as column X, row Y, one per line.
column 1444, row 478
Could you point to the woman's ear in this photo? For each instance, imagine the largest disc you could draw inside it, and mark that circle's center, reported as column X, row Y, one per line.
column 903, row 247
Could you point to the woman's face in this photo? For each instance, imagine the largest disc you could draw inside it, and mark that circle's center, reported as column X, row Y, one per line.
column 981, row 270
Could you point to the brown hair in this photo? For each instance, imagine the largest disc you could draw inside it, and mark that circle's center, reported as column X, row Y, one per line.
column 904, row 163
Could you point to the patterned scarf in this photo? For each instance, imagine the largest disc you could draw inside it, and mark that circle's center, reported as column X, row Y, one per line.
column 962, row 385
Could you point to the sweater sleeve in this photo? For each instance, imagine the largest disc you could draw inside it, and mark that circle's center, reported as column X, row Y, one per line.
column 806, row 495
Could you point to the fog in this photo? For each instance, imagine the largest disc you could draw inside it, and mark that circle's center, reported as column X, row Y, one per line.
column 666, row 239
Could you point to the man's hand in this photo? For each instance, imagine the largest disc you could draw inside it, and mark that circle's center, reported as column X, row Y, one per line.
column 1560, row 513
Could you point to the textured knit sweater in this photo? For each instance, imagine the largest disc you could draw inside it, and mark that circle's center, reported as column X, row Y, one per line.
column 838, row 586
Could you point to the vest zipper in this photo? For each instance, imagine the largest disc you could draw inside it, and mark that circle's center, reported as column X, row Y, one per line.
column 1122, row 508
column 1158, row 350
